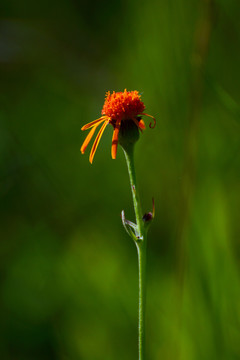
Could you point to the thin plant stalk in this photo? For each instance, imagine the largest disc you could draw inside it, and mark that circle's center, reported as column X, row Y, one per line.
column 141, row 249
column 141, row 242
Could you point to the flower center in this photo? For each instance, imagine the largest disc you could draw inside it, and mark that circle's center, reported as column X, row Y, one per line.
column 123, row 105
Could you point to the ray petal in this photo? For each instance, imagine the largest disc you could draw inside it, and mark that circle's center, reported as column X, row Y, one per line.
column 88, row 139
column 95, row 122
column 141, row 124
column 150, row 125
column 96, row 142
column 115, row 140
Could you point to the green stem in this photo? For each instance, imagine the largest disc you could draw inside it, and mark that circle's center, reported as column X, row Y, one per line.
column 141, row 250
column 136, row 200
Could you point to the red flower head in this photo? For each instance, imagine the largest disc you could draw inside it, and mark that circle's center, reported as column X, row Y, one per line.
column 118, row 107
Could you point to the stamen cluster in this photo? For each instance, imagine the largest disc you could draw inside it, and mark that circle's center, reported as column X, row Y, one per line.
column 123, row 105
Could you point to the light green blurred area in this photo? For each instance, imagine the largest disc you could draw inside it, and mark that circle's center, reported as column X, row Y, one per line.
column 68, row 270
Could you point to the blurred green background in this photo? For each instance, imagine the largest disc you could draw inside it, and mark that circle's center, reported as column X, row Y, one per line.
column 68, row 269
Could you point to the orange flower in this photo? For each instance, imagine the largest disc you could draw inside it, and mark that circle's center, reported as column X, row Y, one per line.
column 118, row 107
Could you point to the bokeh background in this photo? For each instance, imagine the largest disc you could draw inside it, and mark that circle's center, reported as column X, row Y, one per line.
column 68, row 269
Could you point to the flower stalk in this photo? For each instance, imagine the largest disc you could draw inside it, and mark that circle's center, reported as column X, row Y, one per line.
column 135, row 194
column 140, row 240
column 141, row 250
column 138, row 232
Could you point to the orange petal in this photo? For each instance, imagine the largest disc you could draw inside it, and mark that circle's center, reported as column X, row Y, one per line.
column 88, row 138
column 150, row 125
column 95, row 122
column 137, row 123
column 115, row 140
column 96, row 142
column 141, row 124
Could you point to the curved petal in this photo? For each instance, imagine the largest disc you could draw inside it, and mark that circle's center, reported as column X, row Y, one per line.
column 150, row 125
column 96, row 142
column 88, row 138
column 95, row 122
